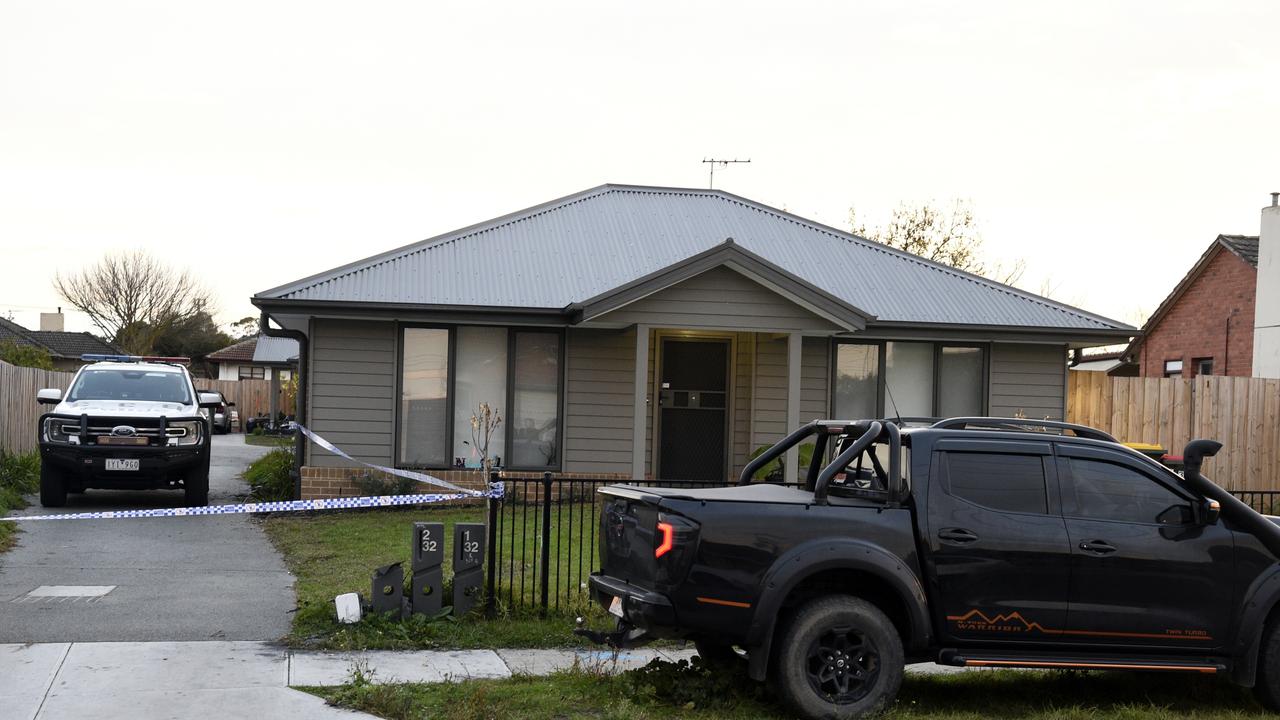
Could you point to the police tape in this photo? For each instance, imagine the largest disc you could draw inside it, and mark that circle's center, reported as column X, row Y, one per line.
column 346, row 503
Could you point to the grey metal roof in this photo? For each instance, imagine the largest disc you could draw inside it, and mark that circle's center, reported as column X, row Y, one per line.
column 581, row 246
column 1244, row 246
column 275, row 350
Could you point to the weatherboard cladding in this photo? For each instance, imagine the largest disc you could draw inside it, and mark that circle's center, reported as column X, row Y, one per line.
column 579, row 247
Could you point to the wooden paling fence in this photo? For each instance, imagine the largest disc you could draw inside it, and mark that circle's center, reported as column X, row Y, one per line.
column 1241, row 413
column 20, row 413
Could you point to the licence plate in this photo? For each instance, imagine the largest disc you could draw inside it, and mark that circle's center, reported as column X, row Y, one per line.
column 124, row 464
column 615, row 607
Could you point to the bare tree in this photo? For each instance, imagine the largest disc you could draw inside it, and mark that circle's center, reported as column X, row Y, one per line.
column 134, row 299
column 950, row 237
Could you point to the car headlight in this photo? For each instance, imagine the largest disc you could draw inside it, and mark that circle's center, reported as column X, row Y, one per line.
column 54, row 431
column 190, row 435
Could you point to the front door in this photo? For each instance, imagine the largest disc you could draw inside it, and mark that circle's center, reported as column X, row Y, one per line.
column 1143, row 571
column 693, row 402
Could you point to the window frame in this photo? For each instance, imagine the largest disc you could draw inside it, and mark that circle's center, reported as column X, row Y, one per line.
column 451, row 395
column 1173, row 373
column 1197, row 364
column 1067, row 482
column 252, row 369
column 882, row 357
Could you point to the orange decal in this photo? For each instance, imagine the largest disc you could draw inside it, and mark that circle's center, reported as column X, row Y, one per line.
column 1014, row 623
column 730, row 603
column 1102, row 666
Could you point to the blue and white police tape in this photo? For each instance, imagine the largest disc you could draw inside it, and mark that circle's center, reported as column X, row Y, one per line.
column 398, row 472
column 346, row 503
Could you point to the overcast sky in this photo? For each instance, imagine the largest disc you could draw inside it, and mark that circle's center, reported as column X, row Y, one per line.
column 1104, row 143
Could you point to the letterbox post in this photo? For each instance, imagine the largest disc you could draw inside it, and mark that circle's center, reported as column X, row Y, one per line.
column 428, row 577
column 468, row 565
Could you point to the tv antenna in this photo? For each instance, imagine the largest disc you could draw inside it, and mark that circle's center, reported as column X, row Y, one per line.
column 711, row 182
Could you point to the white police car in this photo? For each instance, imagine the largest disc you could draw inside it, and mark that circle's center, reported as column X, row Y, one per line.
column 126, row 422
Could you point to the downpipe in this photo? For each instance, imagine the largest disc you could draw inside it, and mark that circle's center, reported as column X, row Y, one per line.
column 299, row 402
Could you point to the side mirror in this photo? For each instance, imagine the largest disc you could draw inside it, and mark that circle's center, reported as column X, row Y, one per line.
column 209, row 400
column 49, row 396
column 1210, row 511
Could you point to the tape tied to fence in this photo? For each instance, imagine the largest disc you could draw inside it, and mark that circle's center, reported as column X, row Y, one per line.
column 346, row 503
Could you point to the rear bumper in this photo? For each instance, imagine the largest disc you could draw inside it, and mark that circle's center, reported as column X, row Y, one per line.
column 645, row 609
column 85, row 466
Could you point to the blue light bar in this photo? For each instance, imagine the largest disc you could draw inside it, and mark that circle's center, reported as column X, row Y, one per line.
column 95, row 357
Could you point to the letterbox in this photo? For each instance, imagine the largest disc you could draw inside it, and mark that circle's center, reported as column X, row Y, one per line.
column 468, row 565
column 427, row 587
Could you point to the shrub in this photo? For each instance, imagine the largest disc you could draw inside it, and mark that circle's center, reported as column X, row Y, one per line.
column 19, row 475
column 270, row 477
column 25, row 355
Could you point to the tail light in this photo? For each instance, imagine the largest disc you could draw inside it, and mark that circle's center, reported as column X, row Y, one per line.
column 666, row 539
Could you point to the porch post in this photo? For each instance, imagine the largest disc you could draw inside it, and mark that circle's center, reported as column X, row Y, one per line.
column 790, row 473
column 274, row 401
column 641, row 407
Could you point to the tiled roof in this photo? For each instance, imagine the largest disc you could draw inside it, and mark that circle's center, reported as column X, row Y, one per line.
column 59, row 344
column 241, row 351
column 1244, row 246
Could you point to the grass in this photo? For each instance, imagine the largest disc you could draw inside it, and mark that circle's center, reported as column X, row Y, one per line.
column 336, row 553
column 664, row 690
column 19, row 475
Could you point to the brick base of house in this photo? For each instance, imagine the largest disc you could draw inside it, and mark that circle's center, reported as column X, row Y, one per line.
column 319, row 483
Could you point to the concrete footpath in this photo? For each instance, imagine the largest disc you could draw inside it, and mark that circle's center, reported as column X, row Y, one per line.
column 253, row 680
column 241, row 680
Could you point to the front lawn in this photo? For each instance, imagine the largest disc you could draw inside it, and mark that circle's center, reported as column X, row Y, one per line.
column 19, row 475
column 336, row 553
column 663, row 690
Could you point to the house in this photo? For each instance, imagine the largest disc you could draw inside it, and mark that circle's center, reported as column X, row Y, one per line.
column 629, row 332
column 256, row 358
column 1205, row 326
column 1111, row 363
column 1266, row 324
column 65, row 348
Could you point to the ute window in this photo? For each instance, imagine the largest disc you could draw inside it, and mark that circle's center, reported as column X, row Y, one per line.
column 1106, row 491
column 1009, row 483
column 130, row 385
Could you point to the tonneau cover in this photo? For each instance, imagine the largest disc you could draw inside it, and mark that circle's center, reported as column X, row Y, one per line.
column 756, row 493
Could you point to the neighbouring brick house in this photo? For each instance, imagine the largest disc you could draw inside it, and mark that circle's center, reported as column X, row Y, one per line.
column 1205, row 326
column 631, row 332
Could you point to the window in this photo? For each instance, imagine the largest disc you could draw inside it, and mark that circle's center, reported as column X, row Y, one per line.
column 481, row 378
column 251, row 372
column 424, row 397
column 1009, row 483
column 1172, row 368
column 908, row 379
column 857, row 391
column 1203, row 366
column 447, row 372
column 535, row 403
column 1106, row 491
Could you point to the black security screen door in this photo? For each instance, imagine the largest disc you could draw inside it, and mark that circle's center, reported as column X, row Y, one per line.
column 693, row 403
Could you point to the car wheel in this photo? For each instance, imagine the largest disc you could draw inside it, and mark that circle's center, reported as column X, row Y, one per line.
column 53, row 487
column 717, row 654
column 196, row 487
column 1267, row 686
column 840, row 658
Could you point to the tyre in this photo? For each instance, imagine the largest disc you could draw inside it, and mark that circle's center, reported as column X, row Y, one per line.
column 839, row 658
column 716, row 654
column 1267, row 686
column 53, row 487
column 196, row 487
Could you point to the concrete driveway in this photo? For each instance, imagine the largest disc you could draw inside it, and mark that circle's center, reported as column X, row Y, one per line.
column 189, row 578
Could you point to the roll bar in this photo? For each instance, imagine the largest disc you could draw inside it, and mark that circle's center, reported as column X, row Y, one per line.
column 842, row 461
column 1084, row 431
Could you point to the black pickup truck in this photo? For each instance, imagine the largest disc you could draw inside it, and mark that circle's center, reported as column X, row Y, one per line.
column 980, row 542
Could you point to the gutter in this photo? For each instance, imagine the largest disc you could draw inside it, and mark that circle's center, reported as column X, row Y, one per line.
column 299, row 402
